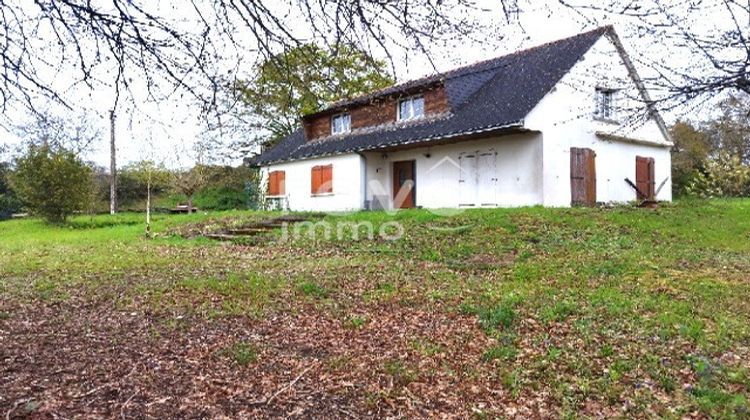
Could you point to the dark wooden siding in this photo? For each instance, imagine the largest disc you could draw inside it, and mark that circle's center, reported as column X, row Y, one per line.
column 378, row 112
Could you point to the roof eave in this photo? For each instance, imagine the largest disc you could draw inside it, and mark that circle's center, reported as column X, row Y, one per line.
column 430, row 140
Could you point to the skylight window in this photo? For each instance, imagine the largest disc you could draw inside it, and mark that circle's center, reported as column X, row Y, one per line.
column 341, row 123
column 411, row 108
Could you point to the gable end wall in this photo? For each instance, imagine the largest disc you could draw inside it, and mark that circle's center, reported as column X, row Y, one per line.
column 566, row 118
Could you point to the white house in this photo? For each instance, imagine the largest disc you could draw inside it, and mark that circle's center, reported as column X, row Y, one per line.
column 565, row 123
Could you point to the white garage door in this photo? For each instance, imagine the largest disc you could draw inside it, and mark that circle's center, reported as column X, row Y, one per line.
column 478, row 179
column 487, row 178
column 467, row 183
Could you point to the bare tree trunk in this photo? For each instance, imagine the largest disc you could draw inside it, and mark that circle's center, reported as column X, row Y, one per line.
column 112, row 165
column 148, row 207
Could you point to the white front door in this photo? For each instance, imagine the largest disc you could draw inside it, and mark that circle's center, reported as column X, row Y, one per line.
column 467, row 182
column 487, row 178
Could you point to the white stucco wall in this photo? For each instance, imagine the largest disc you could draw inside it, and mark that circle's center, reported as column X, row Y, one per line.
column 517, row 161
column 348, row 187
column 518, row 169
column 566, row 119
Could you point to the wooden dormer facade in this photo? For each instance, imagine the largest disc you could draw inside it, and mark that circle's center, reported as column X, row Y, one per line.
column 375, row 111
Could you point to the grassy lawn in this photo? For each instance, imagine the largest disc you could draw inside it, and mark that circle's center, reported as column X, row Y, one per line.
column 487, row 313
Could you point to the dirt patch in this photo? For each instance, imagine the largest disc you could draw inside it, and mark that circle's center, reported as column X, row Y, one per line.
column 93, row 361
column 240, row 229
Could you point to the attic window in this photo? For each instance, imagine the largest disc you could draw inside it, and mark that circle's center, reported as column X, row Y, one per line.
column 605, row 104
column 411, row 108
column 341, row 123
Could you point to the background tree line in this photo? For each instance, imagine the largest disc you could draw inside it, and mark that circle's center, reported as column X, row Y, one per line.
column 296, row 76
column 50, row 178
column 712, row 158
column 53, row 182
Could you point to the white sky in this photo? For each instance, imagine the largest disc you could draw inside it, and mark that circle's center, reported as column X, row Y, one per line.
column 167, row 131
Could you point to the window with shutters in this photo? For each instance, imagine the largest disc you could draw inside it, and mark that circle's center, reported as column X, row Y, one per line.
column 276, row 183
column 322, row 180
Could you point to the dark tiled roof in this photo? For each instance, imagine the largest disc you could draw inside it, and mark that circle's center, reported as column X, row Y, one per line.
column 483, row 96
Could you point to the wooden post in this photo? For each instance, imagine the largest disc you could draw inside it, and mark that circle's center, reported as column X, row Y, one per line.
column 148, row 206
column 112, row 165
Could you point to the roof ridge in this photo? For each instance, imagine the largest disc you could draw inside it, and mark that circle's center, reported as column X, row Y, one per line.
column 602, row 29
column 453, row 72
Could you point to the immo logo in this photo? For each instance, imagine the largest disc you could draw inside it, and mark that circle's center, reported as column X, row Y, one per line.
column 342, row 230
column 393, row 230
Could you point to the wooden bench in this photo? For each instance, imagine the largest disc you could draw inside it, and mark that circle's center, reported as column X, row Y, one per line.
column 183, row 208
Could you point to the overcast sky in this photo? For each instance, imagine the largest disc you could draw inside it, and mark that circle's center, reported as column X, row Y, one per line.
column 167, row 131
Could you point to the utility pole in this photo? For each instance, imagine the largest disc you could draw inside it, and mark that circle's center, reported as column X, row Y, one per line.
column 112, row 165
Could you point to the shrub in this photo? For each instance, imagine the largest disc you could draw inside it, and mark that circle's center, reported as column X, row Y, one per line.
column 724, row 176
column 9, row 203
column 222, row 198
column 52, row 183
column 692, row 146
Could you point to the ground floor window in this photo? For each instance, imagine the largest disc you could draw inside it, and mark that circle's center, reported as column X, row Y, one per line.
column 322, row 179
column 276, row 183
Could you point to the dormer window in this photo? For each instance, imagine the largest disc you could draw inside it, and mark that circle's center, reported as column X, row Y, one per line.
column 411, row 108
column 341, row 123
column 605, row 104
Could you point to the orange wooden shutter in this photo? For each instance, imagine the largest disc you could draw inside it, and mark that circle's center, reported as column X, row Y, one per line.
column 276, row 183
column 281, row 183
column 272, row 184
column 327, row 179
column 316, row 180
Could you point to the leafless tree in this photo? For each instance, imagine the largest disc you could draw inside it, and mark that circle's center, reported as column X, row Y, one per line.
column 191, row 50
column 50, row 47
column 74, row 133
column 693, row 50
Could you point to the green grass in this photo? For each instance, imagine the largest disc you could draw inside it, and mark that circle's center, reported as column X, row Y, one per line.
column 500, row 353
column 241, row 353
column 577, row 303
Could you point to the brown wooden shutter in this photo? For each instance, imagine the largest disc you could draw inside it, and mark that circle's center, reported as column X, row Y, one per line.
column 652, row 178
column 645, row 178
column 582, row 177
column 591, row 177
